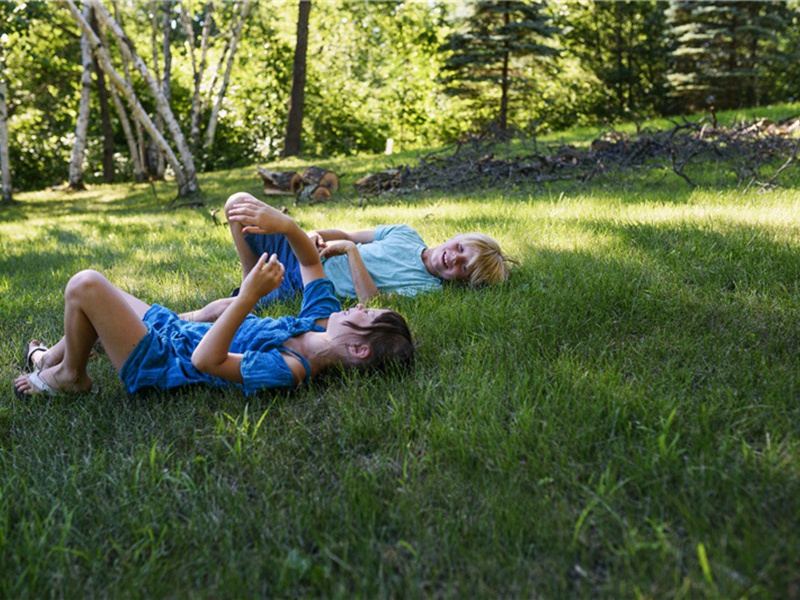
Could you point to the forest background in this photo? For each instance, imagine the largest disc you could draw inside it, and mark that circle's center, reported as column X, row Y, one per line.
column 375, row 71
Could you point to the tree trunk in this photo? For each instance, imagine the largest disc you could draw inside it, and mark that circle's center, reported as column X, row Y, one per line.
column 197, row 70
column 185, row 175
column 82, row 126
column 190, row 184
column 503, row 118
column 236, row 34
column 105, row 114
column 138, row 173
column 155, row 159
column 140, row 151
column 5, row 162
column 166, row 79
column 294, row 126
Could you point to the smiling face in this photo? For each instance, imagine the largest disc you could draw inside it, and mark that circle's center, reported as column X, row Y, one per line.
column 451, row 260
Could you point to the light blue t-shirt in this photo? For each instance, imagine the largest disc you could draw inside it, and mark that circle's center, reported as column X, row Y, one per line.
column 393, row 260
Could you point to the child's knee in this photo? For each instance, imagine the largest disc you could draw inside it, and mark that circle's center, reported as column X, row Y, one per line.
column 84, row 282
column 235, row 199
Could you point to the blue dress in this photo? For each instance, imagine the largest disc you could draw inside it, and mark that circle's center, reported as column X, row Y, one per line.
column 163, row 357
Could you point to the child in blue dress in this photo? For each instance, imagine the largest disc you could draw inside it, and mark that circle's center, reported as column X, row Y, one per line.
column 152, row 347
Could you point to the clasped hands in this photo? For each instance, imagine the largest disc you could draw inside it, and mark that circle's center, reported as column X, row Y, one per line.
column 331, row 247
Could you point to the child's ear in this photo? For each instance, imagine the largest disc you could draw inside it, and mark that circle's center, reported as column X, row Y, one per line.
column 360, row 351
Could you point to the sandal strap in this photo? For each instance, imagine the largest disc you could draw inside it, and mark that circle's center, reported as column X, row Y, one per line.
column 40, row 384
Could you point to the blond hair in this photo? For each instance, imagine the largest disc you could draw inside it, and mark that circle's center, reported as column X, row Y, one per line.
column 490, row 265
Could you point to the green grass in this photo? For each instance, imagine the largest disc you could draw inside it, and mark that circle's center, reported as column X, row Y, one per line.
column 622, row 419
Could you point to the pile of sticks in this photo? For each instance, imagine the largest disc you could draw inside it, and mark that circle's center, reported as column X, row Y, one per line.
column 742, row 152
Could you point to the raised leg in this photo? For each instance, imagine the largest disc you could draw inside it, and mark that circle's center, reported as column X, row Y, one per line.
column 93, row 308
column 247, row 257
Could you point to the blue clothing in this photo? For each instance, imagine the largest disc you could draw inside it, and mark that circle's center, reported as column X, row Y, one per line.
column 393, row 260
column 163, row 357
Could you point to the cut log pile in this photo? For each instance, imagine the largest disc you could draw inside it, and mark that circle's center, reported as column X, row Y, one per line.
column 315, row 184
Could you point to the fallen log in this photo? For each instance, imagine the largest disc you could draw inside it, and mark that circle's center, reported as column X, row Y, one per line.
column 280, row 182
column 313, row 194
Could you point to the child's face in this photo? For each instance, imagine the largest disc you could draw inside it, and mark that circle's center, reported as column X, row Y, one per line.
column 358, row 315
column 450, row 259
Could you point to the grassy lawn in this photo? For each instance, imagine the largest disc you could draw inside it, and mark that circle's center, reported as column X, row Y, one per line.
column 622, row 419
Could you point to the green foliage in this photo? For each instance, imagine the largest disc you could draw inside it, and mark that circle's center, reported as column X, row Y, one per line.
column 622, row 45
column 725, row 53
column 373, row 77
column 375, row 71
column 495, row 51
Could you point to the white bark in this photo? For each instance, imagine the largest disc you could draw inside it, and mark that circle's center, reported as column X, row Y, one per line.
column 166, row 41
column 197, row 70
column 82, row 127
column 185, row 178
column 5, row 162
column 237, row 33
column 158, row 158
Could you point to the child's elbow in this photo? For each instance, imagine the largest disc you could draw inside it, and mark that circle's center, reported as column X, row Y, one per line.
column 200, row 362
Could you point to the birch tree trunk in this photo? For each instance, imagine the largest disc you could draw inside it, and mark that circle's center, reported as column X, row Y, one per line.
column 185, row 178
column 140, row 151
column 166, row 41
column 155, row 159
column 212, row 121
column 197, row 70
column 189, row 173
column 105, row 115
column 5, row 162
column 82, row 127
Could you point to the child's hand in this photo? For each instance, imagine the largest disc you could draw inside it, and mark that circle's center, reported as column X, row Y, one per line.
column 337, row 247
column 258, row 217
column 263, row 278
column 317, row 240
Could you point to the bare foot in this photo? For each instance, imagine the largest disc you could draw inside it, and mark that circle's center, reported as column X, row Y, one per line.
column 50, row 380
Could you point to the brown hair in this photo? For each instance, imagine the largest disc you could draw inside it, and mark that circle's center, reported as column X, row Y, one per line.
column 389, row 339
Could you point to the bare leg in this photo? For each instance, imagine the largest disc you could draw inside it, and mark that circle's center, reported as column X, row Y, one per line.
column 210, row 312
column 93, row 308
column 214, row 309
column 246, row 256
column 55, row 354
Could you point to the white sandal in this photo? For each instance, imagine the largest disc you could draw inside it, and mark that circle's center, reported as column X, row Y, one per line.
column 33, row 347
column 43, row 388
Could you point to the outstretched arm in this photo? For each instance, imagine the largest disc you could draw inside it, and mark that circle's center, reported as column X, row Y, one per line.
column 212, row 354
column 258, row 217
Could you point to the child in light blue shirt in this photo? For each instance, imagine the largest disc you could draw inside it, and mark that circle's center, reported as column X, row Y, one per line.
column 364, row 264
